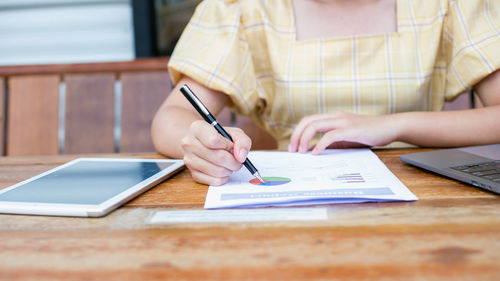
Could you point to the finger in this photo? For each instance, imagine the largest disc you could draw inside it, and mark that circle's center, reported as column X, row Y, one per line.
column 219, row 157
column 206, row 179
column 329, row 138
column 310, row 131
column 193, row 162
column 299, row 130
column 242, row 143
column 209, row 137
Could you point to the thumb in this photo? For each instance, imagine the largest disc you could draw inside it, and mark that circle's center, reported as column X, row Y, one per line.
column 242, row 144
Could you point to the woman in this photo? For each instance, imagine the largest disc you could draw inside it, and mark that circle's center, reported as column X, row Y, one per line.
column 360, row 72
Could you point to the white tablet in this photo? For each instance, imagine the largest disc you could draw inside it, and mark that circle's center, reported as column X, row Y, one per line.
column 86, row 187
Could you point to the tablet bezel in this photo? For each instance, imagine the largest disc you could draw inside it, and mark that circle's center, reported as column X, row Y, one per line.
column 87, row 210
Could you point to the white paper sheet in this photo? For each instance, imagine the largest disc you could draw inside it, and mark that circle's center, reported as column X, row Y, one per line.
column 240, row 215
column 335, row 176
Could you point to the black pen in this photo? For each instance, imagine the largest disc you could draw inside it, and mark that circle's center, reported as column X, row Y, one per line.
column 203, row 111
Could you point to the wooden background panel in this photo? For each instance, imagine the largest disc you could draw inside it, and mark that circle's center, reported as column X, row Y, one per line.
column 90, row 111
column 141, row 64
column 2, row 115
column 33, row 115
column 142, row 95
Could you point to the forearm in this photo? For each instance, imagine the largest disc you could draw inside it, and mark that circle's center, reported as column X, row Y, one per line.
column 172, row 121
column 169, row 126
column 449, row 128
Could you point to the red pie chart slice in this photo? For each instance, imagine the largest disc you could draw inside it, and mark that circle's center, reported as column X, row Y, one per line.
column 268, row 181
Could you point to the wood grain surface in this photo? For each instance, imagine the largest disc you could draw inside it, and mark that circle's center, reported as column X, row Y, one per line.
column 142, row 95
column 33, row 115
column 451, row 233
column 90, row 113
column 141, row 64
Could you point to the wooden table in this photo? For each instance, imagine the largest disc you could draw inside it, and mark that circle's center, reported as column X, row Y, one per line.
column 451, row 233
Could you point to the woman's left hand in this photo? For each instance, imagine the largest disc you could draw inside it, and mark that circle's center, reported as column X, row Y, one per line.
column 343, row 129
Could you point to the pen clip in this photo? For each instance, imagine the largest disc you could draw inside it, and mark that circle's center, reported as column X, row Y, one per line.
column 193, row 99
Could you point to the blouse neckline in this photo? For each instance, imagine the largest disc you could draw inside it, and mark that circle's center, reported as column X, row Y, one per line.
column 293, row 23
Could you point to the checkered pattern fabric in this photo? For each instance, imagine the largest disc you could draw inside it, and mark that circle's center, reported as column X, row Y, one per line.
column 248, row 50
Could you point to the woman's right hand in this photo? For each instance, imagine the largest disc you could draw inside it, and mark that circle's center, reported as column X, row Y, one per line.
column 210, row 157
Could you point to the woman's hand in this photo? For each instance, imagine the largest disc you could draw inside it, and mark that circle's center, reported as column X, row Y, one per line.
column 342, row 130
column 211, row 157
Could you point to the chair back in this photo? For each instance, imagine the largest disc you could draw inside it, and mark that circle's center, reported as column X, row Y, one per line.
column 88, row 108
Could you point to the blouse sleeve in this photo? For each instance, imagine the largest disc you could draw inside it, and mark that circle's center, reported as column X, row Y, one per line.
column 213, row 51
column 471, row 43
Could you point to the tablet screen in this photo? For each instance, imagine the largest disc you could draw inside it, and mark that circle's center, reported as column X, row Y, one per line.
column 84, row 182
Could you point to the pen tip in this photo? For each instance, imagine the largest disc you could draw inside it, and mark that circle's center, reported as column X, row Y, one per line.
column 257, row 175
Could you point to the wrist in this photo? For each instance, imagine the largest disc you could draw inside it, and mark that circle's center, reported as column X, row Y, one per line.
column 398, row 122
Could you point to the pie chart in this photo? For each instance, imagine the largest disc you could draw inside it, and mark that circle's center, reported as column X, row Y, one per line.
column 270, row 181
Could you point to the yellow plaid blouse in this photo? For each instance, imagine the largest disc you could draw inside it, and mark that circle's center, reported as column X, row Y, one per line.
column 248, row 50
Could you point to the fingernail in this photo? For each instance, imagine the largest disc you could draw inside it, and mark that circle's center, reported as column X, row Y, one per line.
column 290, row 148
column 302, row 149
column 243, row 154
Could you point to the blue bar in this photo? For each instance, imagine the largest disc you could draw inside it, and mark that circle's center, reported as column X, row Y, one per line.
column 323, row 193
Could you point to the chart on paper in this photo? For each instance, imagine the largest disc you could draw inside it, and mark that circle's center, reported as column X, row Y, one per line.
column 270, row 181
column 335, row 176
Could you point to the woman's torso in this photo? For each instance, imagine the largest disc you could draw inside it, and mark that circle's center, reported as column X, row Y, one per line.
column 367, row 74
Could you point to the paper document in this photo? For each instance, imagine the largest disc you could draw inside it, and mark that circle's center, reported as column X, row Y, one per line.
column 293, row 179
column 240, row 215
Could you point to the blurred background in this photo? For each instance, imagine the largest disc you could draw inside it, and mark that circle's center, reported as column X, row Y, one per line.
column 86, row 76
column 78, row 31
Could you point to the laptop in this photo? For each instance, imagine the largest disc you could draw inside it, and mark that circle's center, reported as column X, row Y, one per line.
column 475, row 165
